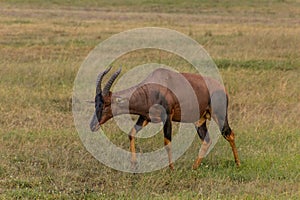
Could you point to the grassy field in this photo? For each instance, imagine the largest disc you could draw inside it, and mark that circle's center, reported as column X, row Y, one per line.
column 254, row 43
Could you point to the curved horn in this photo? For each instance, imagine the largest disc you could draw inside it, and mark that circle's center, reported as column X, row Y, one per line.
column 110, row 82
column 99, row 79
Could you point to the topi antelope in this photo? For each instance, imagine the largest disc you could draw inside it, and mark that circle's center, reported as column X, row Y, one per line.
column 143, row 98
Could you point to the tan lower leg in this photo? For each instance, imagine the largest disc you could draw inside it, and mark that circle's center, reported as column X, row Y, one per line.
column 230, row 139
column 168, row 148
column 132, row 146
column 202, row 152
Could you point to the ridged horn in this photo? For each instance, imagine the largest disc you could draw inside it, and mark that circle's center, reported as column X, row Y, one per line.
column 110, row 82
column 99, row 80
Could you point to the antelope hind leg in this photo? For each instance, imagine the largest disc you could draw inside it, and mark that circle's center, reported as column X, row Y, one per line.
column 206, row 142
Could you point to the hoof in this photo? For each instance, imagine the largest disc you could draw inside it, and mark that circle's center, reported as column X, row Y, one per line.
column 171, row 166
column 195, row 166
column 134, row 165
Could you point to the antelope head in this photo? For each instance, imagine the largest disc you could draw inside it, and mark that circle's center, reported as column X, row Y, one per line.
column 103, row 111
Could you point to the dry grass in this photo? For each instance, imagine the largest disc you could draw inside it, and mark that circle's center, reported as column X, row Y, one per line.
column 42, row 47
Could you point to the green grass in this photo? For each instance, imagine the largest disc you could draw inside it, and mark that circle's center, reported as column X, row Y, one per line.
column 42, row 45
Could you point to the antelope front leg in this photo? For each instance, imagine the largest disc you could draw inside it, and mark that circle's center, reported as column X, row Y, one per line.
column 167, row 140
column 167, row 143
column 132, row 147
column 137, row 127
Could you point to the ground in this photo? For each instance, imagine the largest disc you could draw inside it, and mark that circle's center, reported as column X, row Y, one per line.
column 255, row 44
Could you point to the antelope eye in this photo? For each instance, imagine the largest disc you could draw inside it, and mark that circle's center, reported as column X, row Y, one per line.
column 119, row 100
